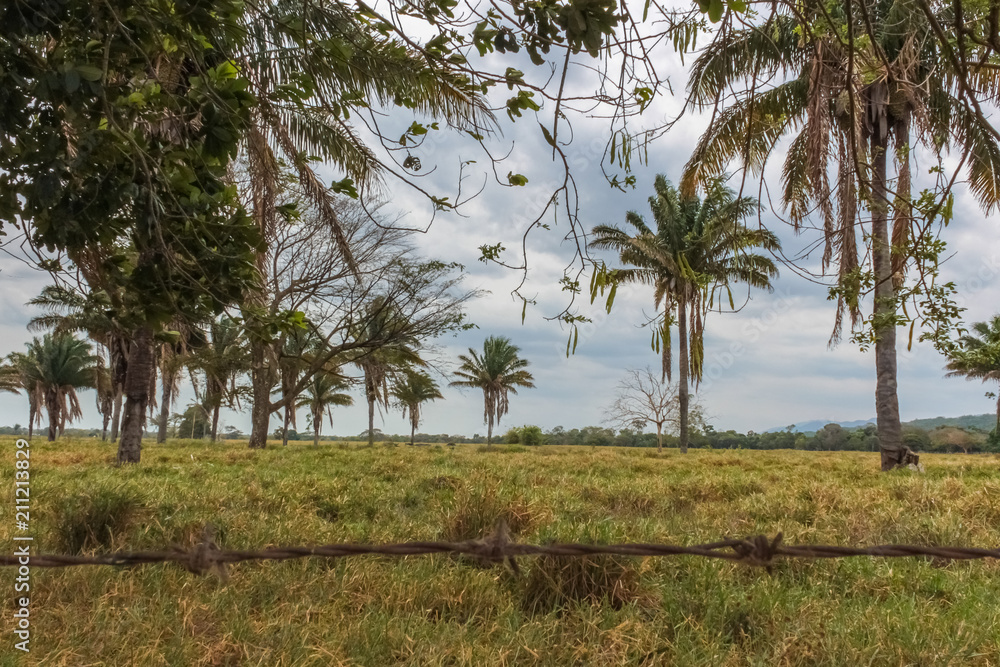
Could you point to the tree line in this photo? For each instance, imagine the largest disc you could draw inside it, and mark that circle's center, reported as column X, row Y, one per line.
column 832, row 437
column 217, row 360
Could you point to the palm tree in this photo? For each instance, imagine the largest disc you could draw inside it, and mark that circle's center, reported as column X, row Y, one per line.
column 325, row 390
column 105, row 395
column 59, row 364
column 386, row 351
column 69, row 311
column 10, row 378
column 295, row 355
column 310, row 65
column 979, row 357
column 888, row 85
column 498, row 372
column 222, row 361
column 698, row 248
column 22, row 364
column 172, row 357
column 412, row 389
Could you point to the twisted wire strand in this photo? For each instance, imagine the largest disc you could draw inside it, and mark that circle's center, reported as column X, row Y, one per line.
column 759, row 550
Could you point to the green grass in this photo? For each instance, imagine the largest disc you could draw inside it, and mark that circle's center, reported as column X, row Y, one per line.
column 442, row 610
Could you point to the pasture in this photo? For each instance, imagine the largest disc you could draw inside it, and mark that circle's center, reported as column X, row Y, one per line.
column 441, row 610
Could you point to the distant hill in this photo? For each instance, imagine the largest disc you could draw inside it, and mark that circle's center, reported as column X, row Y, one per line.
column 982, row 422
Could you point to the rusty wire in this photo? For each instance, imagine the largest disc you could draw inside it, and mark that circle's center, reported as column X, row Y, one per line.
column 759, row 551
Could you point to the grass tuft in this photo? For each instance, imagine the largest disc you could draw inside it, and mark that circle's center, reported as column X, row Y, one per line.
column 97, row 519
column 556, row 583
column 477, row 511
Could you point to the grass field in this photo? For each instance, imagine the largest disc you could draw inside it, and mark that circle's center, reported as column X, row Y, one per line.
column 441, row 610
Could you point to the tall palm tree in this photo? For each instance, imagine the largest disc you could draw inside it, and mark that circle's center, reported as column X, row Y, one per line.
column 310, row 66
column 385, row 353
column 325, row 390
column 411, row 390
column 60, row 364
column 105, row 395
column 698, row 248
column 979, row 357
column 222, row 360
column 69, row 311
column 296, row 351
column 171, row 357
column 854, row 85
column 22, row 364
column 498, row 371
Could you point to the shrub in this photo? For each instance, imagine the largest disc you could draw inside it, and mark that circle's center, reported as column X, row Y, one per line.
column 531, row 436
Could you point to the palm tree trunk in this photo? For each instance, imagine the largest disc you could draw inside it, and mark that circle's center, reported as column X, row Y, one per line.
column 52, row 407
column 371, row 416
column 413, row 431
column 165, row 398
column 216, row 406
column 141, row 367
column 116, row 418
column 886, row 400
column 33, row 413
column 284, row 427
column 317, row 425
column 105, row 418
column 260, row 411
column 489, row 431
column 996, row 429
column 682, row 363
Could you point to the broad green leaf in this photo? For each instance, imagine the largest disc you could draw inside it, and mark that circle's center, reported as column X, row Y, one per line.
column 90, row 72
column 715, row 10
column 548, row 135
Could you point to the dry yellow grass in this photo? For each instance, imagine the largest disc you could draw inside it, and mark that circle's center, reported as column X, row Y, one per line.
column 448, row 611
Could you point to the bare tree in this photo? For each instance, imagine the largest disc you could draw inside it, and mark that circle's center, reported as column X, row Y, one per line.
column 644, row 398
column 308, row 288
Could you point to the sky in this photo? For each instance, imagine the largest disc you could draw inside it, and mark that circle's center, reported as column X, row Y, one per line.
column 768, row 365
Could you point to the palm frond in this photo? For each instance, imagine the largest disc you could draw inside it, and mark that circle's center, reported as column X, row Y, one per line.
column 755, row 52
column 747, row 130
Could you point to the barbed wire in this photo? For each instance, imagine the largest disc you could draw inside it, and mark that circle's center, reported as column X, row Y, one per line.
column 760, row 551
